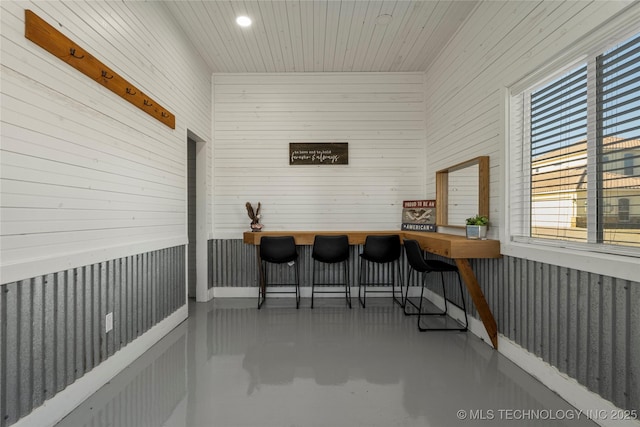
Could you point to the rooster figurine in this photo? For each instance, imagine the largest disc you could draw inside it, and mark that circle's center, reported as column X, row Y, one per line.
column 255, row 216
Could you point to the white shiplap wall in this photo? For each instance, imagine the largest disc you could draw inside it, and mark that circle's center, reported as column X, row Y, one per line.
column 499, row 44
column 380, row 115
column 85, row 175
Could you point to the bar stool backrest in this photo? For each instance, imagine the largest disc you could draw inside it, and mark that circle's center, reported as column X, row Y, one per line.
column 330, row 249
column 278, row 250
column 382, row 248
column 414, row 256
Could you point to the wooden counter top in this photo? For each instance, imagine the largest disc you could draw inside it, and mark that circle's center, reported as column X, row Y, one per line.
column 447, row 245
column 306, row 237
column 454, row 246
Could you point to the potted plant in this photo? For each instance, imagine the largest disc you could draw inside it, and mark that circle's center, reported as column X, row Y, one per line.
column 477, row 227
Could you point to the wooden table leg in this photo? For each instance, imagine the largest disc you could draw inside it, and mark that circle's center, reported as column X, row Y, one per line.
column 478, row 298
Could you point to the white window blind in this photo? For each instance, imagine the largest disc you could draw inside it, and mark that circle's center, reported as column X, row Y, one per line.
column 618, row 138
column 558, row 132
column 575, row 154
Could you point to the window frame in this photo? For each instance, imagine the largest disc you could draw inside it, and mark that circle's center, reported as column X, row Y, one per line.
column 628, row 164
column 623, row 207
column 591, row 257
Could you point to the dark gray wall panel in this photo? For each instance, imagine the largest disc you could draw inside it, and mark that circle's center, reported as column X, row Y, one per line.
column 52, row 326
column 586, row 325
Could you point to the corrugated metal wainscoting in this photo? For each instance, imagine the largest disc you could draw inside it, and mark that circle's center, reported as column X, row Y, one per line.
column 232, row 263
column 586, row 325
column 52, row 326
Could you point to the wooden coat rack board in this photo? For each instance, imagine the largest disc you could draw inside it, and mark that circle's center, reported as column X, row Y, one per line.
column 56, row 43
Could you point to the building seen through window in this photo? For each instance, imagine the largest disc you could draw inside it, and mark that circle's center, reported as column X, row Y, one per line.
column 585, row 185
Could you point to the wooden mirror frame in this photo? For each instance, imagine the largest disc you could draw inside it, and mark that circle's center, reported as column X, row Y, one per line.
column 442, row 190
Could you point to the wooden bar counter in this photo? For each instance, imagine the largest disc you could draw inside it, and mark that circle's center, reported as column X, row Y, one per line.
column 458, row 248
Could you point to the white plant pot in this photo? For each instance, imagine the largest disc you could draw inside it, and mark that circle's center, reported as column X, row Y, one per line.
column 477, row 232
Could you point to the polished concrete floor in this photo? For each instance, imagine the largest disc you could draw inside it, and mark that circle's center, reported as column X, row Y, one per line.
column 231, row 365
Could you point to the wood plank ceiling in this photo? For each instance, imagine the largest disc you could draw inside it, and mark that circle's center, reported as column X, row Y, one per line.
column 320, row 35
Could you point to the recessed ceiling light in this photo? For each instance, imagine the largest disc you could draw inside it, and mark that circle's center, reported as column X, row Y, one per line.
column 243, row 21
column 383, row 19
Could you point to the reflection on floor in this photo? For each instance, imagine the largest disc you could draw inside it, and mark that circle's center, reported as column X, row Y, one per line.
column 231, row 365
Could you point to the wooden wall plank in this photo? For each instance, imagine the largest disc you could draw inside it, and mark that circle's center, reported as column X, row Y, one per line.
column 499, row 44
column 78, row 164
column 386, row 148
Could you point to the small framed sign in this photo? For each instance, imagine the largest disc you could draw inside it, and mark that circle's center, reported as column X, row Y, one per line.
column 318, row 153
column 419, row 215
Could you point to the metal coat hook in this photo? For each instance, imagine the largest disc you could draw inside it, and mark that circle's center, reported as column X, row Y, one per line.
column 163, row 114
column 49, row 38
column 72, row 52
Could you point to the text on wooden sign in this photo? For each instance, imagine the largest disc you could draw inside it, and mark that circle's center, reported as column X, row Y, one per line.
column 319, row 153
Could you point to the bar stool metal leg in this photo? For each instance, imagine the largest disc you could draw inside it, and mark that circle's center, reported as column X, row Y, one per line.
column 277, row 250
column 417, row 262
column 408, row 303
column 362, row 286
column 331, row 250
column 385, row 251
column 401, row 301
column 446, row 301
column 347, row 286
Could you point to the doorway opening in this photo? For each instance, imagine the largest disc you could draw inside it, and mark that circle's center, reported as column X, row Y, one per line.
column 191, row 218
column 196, row 206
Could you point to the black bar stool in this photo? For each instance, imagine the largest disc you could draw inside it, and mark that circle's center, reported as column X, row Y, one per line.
column 380, row 249
column 278, row 250
column 331, row 250
column 419, row 264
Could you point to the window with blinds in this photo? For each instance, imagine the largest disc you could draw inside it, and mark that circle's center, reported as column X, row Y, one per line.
column 558, row 133
column 575, row 149
column 618, row 144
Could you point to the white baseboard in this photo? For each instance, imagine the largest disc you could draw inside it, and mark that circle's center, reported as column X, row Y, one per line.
column 56, row 408
column 224, row 292
column 592, row 405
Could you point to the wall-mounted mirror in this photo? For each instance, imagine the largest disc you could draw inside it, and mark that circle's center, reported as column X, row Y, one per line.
column 462, row 191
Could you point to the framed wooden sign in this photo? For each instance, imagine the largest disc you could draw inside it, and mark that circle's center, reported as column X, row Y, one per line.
column 318, row 153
